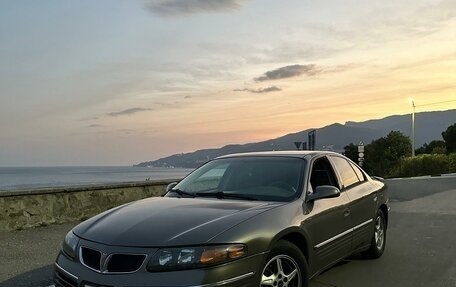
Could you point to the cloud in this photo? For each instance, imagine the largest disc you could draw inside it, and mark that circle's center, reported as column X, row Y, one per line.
column 172, row 8
column 289, row 72
column 403, row 21
column 126, row 131
column 89, row 119
column 128, row 112
column 260, row 90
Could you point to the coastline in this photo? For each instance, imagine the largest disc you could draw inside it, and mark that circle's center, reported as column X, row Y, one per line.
column 17, row 179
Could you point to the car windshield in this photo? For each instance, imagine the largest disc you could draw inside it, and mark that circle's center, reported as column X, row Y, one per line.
column 251, row 178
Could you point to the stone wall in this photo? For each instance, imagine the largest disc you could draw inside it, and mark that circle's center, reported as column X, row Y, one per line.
column 31, row 208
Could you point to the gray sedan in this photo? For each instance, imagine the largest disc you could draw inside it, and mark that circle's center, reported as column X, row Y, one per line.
column 255, row 219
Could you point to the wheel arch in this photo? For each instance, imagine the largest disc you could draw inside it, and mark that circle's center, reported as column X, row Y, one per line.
column 297, row 237
column 384, row 210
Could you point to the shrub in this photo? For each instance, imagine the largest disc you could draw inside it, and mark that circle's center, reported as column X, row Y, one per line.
column 452, row 162
column 424, row 164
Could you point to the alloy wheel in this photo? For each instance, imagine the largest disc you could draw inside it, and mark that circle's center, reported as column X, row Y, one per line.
column 379, row 232
column 281, row 271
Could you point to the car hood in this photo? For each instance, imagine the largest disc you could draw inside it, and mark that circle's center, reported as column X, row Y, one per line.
column 166, row 221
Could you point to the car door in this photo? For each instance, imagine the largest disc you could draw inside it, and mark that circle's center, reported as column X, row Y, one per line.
column 362, row 202
column 327, row 219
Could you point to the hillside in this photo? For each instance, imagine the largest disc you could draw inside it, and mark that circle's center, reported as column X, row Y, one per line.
column 429, row 126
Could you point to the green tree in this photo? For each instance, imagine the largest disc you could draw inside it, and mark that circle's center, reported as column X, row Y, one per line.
column 383, row 154
column 450, row 138
column 351, row 151
column 439, row 150
column 432, row 147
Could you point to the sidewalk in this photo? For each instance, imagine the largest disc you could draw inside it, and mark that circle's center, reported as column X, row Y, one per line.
column 22, row 251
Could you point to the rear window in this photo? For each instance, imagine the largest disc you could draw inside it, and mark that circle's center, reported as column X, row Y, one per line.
column 358, row 172
column 345, row 170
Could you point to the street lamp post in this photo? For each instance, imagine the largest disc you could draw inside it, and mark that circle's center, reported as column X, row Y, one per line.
column 413, row 126
column 412, row 102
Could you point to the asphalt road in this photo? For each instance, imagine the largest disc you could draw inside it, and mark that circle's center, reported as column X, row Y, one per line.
column 420, row 251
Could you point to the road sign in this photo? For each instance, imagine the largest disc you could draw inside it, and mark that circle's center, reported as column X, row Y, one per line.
column 360, row 146
column 360, row 153
column 298, row 145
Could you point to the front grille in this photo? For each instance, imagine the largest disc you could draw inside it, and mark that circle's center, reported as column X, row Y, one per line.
column 125, row 262
column 114, row 263
column 91, row 258
column 62, row 280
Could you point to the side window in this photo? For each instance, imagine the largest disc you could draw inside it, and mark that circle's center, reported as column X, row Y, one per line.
column 322, row 174
column 345, row 170
column 358, row 172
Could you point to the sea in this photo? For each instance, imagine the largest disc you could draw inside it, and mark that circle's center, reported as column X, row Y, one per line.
column 19, row 178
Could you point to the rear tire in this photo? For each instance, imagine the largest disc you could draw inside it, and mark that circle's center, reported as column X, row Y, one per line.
column 378, row 242
column 285, row 266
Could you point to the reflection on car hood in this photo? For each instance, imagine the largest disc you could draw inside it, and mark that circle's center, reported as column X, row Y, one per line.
column 164, row 221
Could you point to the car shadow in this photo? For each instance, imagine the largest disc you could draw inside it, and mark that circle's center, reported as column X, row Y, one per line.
column 354, row 257
column 320, row 279
column 338, row 264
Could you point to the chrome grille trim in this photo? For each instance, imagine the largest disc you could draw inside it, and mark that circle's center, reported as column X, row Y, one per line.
column 104, row 260
column 66, row 272
column 81, row 258
column 105, row 271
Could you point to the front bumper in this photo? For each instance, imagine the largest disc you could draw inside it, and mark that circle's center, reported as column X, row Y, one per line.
column 240, row 273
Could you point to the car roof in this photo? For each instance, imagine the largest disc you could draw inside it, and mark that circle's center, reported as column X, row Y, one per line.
column 292, row 153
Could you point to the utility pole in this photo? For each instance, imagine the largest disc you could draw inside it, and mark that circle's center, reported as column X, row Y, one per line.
column 312, row 138
column 413, row 126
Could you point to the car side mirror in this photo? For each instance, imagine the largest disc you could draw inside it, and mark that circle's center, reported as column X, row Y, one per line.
column 169, row 187
column 323, row 191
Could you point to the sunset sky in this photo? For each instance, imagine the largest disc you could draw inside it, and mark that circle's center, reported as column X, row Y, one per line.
column 119, row 82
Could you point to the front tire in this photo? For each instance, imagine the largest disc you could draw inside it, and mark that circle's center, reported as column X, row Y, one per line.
column 286, row 266
column 378, row 242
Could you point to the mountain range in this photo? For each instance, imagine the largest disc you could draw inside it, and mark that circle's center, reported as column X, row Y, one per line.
column 428, row 126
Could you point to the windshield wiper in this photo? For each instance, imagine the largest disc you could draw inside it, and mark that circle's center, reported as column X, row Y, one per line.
column 182, row 193
column 221, row 194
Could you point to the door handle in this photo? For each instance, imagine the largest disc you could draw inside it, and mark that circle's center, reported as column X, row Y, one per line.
column 346, row 212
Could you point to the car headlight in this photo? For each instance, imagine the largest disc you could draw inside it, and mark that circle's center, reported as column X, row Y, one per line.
column 170, row 259
column 70, row 244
